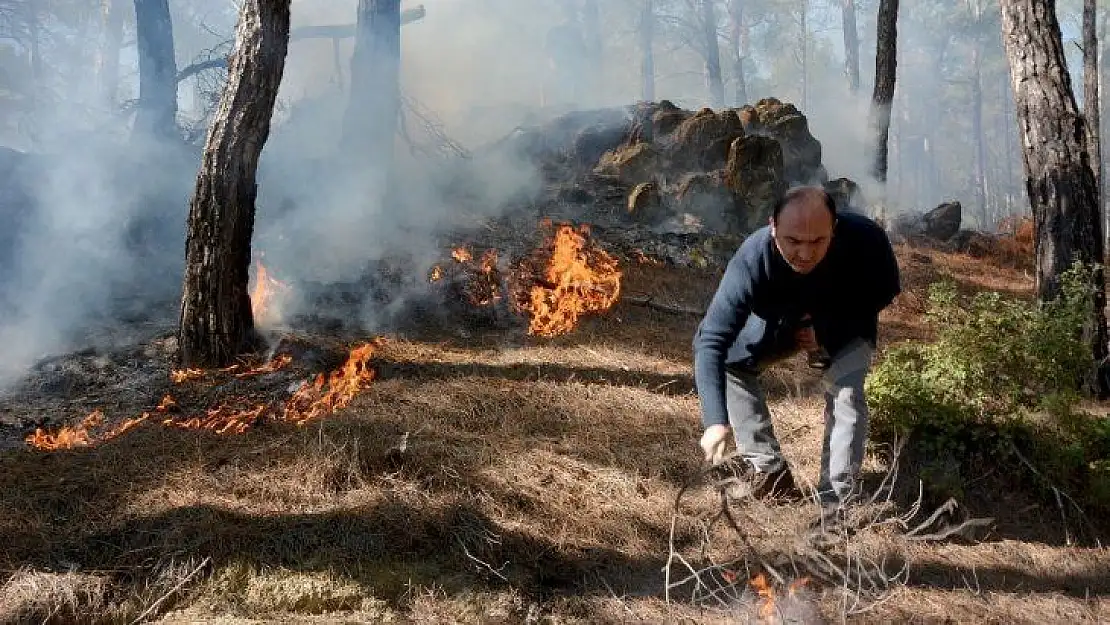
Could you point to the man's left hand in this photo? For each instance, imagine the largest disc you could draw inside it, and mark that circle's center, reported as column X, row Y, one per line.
column 806, row 339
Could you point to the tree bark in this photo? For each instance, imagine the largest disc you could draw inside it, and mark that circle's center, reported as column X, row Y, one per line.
column 107, row 62
column 216, row 319
column 157, row 111
column 647, row 53
column 851, row 44
column 886, row 62
column 803, row 40
column 713, row 78
column 1059, row 179
column 738, row 44
column 1091, row 95
column 370, row 123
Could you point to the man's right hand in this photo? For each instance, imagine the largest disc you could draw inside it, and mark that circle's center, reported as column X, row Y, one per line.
column 714, row 441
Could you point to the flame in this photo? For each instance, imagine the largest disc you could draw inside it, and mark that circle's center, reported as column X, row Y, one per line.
column 264, row 293
column 644, row 259
column 83, row 435
column 436, row 275
column 462, row 254
column 179, row 376
column 578, row 279
column 766, row 592
column 326, row 394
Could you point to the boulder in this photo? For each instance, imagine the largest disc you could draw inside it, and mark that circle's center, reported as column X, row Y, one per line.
column 701, row 142
column 645, row 203
column 943, row 222
column 706, row 195
column 785, row 123
column 754, row 174
column 847, row 195
column 631, row 164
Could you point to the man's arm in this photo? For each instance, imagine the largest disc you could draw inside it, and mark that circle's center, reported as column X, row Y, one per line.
column 889, row 283
column 727, row 314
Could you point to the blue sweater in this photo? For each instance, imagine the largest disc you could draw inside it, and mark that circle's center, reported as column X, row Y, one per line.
column 760, row 300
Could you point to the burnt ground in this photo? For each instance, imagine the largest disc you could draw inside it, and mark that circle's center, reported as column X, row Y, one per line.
column 485, row 475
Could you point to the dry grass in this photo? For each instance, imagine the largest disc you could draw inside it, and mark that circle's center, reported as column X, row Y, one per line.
column 492, row 480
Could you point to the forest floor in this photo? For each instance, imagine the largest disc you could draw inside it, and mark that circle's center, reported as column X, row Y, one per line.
column 508, row 479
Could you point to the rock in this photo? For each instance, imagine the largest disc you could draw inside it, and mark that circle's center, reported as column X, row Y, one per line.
column 645, row 204
column 785, row 123
column 666, row 118
column 591, row 143
column 631, row 164
column 943, row 222
column 847, row 195
column 701, row 142
column 706, row 195
column 754, row 174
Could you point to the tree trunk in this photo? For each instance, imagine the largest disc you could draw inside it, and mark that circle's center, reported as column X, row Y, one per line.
column 851, row 44
column 374, row 108
column 1058, row 174
column 712, row 55
column 107, row 62
column 977, row 130
column 738, row 49
column 886, row 61
column 803, row 40
column 157, row 110
column 647, row 54
column 1090, row 94
column 591, row 32
column 216, row 320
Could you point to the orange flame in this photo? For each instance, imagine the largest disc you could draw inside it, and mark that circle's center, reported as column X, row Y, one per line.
column 766, row 592
column 578, row 279
column 436, row 275
column 461, row 254
column 264, row 293
column 326, row 394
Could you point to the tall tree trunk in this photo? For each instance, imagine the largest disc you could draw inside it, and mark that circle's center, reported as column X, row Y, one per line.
column 1091, row 95
column 1058, row 174
column 713, row 78
column 374, row 109
column 851, row 44
column 977, row 130
column 803, row 41
column 647, row 54
column 886, row 62
column 591, row 32
column 157, row 111
column 216, row 320
column 107, row 62
column 738, row 50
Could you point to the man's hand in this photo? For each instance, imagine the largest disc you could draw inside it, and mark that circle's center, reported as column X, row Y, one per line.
column 713, row 442
column 804, row 337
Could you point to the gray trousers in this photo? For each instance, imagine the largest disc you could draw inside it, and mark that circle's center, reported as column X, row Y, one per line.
column 846, row 420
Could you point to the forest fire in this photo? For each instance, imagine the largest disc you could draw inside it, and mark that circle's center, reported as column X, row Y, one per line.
column 578, row 278
column 323, row 395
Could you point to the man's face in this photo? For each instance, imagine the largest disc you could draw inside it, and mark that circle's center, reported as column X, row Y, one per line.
column 803, row 232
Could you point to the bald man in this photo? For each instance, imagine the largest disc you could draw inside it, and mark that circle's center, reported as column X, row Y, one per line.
column 813, row 281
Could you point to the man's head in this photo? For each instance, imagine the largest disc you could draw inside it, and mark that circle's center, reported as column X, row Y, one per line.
column 802, row 226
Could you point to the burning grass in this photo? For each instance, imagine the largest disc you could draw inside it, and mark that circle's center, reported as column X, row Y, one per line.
column 471, row 482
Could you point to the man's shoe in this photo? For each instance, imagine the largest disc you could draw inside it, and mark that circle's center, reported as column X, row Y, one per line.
column 776, row 485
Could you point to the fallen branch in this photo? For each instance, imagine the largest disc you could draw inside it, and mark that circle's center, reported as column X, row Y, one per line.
column 667, row 308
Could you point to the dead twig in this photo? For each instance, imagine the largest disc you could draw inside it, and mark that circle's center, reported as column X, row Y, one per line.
column 185, row 580
column 1060, row 495
column 648, row 302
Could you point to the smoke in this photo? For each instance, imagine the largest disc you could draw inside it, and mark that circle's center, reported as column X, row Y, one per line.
column 472, row 71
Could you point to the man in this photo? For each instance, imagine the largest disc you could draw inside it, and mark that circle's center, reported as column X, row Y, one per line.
column 811, row 280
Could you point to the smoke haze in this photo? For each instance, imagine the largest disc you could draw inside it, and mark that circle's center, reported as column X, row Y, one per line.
column 480, row 68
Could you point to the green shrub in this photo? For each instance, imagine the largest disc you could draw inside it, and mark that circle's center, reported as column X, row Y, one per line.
column 1002, row 374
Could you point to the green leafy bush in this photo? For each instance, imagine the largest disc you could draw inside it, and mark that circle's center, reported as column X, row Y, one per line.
column 1003, row 374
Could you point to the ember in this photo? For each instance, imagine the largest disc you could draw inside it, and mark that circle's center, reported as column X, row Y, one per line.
column 578, row 278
